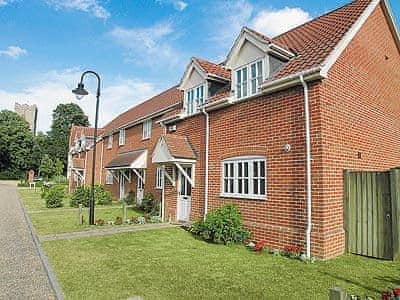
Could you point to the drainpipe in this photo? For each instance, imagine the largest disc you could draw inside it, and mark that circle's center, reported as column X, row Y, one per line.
column 101, row 160
column 206, row 175
column 308, row 166
column 163, row 183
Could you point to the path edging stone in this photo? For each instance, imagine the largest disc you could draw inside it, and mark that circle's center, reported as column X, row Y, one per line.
column 49, row 271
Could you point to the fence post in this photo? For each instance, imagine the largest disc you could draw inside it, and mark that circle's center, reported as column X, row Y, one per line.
column 124, row 210
column 395, row 198
column 337, row 293
column 80, row 215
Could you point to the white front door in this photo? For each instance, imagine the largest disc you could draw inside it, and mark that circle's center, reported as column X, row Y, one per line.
column 140, row 187
column 184, row 196
column 121, row 186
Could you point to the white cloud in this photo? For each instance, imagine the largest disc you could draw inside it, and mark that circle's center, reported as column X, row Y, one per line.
column 274, row 22
column 151, row 46
column 54, row 87
column 5, row 2
column 92, row 7
column 177, row 4
column 13, row 51
column 230, row 16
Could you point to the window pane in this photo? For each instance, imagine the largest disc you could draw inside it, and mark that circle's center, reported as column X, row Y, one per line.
column 255, row 169
column 231, row 185
column 244, row 88
column 231, row 170
column 225, row 185
column 259, row 68
column 244, row 70
column 239, row 76
column 262, row 168
column 225, row 170
column 240, row 186
column 253, row 86
column 246, row 169
column 246, row 186
column 255, row 186
column 240, row 169
column 253, row 71
column 239, row 91
column 262, row 186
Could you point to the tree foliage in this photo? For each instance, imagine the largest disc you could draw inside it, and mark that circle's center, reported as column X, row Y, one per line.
column 16, row 143
column 64, row 116
column 47, row 167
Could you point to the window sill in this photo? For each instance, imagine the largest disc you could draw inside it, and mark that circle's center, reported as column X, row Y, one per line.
column 145, row 139
column 243, row 197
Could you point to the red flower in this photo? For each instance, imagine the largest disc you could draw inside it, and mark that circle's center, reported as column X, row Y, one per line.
column 396, row 292
column 386, row 296
column 259, row 245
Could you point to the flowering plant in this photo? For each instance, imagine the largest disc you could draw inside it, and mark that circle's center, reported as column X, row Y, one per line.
column 292, row 251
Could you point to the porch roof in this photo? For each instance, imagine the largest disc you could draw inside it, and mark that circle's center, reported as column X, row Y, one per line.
column 172, row 148
column 135, row 159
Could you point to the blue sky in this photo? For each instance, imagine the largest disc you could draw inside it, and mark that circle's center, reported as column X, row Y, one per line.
column 139, row 47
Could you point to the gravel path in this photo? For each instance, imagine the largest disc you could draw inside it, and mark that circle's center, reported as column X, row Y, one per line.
column 100, row 232
column 22, row 272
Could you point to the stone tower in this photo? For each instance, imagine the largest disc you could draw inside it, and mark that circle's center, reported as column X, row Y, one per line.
column 29, row 113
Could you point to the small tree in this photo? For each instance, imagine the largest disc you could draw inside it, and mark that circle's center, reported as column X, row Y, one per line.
column 58, row 167
column 46, row 167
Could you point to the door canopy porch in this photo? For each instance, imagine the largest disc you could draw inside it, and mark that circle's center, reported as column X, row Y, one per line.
column 136, row 159
column 175, row 150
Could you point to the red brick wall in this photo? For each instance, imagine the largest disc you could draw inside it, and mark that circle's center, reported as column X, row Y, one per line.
column 194, row 128
column 262, row 127
column 360, row 112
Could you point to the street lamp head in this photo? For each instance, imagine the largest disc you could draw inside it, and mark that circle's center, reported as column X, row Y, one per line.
column 80, row 91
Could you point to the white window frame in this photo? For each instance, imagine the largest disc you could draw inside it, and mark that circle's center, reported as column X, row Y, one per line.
column 256, row 179
column 194, row 98
column 110, row 141
column 109, row 177
column 159, row 178
column 146, row 129
column 244, row 86
column 121, row 137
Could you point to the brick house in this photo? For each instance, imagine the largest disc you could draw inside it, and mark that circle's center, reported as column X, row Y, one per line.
column 272, row 129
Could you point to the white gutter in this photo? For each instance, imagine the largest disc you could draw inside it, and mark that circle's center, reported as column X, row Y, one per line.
column 206, row 175
column 163, row 180
column 308, row 166
column 101, row 160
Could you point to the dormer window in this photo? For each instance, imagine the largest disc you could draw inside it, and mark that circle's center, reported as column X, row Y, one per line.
column 194, row 99
column 121, row 141
column 248, row 79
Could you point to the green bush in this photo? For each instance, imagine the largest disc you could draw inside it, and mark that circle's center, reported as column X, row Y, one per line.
column 11, row 174
column 55, row 196
column 130, row 199
column 223, row 225
column 23, row 183
column 150, row 205
column 81, row 195
column 101, row 196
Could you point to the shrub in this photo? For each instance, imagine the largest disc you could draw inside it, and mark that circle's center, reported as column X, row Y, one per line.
column 150, row 205
column 101, row 196
column 292, row 251
column 140, row 220
column 55, row 196
column 130, row 199
column 155, row 219
column 81, row 195
column 45, row 189
column 118, row 220
column 23, row 183
column 99, row 222
column 224, row 225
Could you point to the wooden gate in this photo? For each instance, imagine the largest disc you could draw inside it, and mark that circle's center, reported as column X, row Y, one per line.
column 368, row 214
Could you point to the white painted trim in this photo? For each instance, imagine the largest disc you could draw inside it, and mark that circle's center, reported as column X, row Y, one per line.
column 126, row 177
column 347, row 38
column 392, row 23
column 191, row 180
column 138, row 175
column 191, row 65
column 113, row 174
column 169, row 177
column 101, row 161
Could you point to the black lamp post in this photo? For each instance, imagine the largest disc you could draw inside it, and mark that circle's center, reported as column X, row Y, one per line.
column 80, row 92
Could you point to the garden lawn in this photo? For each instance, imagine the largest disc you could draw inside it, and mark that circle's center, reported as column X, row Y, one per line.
column 172, row 264
column 65, row 219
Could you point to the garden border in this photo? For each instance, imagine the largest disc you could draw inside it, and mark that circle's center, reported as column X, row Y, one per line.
column 49, row 271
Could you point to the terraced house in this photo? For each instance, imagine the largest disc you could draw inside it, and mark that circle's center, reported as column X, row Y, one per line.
column 272, row 128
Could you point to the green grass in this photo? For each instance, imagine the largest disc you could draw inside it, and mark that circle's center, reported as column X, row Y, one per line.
column 171, row 264
column 65, row 219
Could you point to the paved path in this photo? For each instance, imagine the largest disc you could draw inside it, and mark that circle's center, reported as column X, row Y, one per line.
column 100, row 232
column 22, row 273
